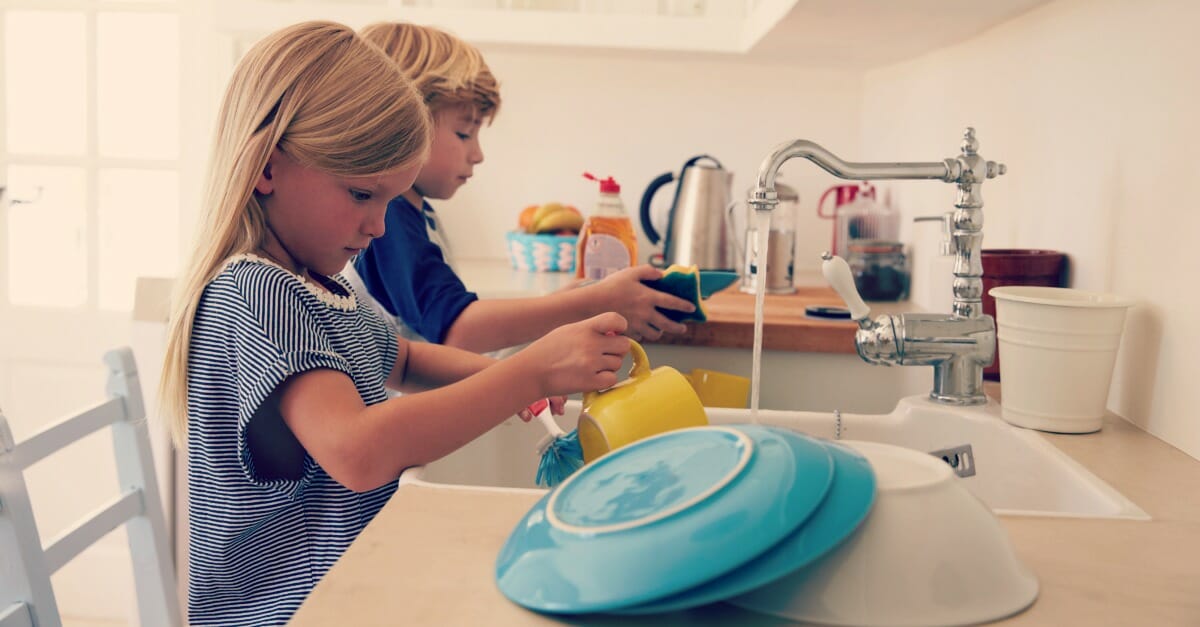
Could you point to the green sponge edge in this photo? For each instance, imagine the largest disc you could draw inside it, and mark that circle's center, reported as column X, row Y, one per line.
column 684, row 282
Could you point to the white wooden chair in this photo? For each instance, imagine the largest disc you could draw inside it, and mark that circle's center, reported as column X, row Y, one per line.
column 26, row 595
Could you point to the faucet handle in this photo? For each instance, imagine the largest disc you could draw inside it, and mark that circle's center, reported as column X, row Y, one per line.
column 837, row 273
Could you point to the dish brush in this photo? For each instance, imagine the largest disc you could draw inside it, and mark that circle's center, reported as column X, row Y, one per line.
column 560, row 452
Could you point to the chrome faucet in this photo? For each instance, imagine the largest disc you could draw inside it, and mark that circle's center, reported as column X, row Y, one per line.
column 958, row 345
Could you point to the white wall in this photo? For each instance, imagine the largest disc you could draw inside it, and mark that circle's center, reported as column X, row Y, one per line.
column 1093, row 106
column 634, row 118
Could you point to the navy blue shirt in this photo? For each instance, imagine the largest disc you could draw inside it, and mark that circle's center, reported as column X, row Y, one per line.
column 406, row 273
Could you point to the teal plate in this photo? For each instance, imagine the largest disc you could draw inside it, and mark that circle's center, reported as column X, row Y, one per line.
column 845, row 507
column 712, row 281
column 660, row 516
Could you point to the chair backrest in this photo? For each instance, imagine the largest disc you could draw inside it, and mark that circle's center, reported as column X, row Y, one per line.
column 26, row 594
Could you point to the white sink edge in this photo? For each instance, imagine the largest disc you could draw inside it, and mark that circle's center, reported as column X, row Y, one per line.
column 1128, row 509
column 1125, row 509
column 415, row 476
column 1138, row 516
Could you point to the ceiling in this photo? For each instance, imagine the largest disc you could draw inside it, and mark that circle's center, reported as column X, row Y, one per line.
column 832, row 34
column 860, row 34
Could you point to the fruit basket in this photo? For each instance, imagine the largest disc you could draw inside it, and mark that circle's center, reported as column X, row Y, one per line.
column 542, row 252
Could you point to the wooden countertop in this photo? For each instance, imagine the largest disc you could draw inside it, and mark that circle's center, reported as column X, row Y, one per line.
column 730, row 312
column 427, row 558
column 786, row 327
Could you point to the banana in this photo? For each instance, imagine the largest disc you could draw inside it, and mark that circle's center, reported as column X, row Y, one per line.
column 563, row 220
column 542, row 212
column 551, row 217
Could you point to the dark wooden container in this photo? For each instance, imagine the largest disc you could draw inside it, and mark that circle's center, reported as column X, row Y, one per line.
column 1015, row 266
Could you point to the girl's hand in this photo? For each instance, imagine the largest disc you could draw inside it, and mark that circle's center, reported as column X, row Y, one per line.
column 578, row 357
column 624, row 293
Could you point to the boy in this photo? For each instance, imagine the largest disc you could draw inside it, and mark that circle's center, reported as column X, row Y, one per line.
column 407, row 271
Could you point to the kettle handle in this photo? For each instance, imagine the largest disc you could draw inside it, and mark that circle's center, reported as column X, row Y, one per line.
column 691, row 162
column 737, row 245
column 647, row 227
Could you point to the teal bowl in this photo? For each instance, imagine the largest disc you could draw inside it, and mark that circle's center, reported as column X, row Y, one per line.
column 712, row 281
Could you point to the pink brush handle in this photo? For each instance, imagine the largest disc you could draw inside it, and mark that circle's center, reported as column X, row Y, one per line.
column 538, row 406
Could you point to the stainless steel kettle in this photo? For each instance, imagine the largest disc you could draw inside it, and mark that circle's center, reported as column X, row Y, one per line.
column 698, row 230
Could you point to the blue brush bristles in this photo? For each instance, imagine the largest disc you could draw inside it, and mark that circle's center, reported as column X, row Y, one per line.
column 562, row 457
column 561, row 452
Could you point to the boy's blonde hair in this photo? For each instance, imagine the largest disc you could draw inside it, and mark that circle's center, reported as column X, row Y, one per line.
column 448, row 71
column 330, row 100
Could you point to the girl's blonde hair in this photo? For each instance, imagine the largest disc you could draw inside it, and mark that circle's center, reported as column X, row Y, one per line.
column 330, row 100
column 448, row 71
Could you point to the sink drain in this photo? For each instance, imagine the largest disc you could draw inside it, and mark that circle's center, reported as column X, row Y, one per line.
column 960, row 458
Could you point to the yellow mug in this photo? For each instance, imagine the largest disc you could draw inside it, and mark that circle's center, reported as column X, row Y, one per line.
column 649, row 402
column 720, row 389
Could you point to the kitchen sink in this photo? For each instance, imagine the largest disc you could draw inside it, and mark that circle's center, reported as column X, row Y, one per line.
column 1014, row 471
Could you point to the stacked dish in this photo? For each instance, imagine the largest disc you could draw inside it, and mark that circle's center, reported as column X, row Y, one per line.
column 929, row 553
column 667, row 522
column 752, row 514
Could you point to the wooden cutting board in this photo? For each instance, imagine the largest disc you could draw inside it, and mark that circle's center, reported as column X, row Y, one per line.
column 785, row 325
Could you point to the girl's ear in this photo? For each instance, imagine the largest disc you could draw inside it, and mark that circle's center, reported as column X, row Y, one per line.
column 264, row 185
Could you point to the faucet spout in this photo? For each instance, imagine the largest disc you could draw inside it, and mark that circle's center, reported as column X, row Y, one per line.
column 762, row 197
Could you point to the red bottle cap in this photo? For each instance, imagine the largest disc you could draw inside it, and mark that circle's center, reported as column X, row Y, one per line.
column 607, row 186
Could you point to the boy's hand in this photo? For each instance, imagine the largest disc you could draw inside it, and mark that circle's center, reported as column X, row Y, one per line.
column 624, row 293
column 578, row 357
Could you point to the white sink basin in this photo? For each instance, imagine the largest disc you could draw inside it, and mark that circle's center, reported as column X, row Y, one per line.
column 1017, row 472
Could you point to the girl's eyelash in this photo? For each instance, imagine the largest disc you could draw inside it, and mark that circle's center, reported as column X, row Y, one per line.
column 463, row 136
column 360, row 195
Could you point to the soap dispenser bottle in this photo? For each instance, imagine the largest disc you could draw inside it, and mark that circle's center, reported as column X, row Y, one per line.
column 607, row 242
column 939, row 292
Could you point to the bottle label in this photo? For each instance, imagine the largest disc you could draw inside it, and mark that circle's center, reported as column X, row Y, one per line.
column 604, row 255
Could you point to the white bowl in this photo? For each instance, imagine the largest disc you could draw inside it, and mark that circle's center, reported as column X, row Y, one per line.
column 929, row 553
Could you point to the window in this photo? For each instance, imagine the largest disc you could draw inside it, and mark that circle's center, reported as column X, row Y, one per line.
column 91, row 142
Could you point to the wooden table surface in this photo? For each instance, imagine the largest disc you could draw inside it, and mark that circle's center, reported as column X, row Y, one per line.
column 786, row 326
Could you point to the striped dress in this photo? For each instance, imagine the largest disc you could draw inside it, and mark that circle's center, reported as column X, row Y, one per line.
column 257, row 545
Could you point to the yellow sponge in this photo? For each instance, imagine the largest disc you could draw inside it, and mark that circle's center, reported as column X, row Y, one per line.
column 684, row 282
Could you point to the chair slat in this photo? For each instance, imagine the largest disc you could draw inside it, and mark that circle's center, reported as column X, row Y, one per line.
column 26, row 569
column 68, row 431
column 70, row 543
column 16, row 615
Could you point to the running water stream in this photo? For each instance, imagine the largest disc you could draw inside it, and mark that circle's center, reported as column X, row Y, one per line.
column 763, row 225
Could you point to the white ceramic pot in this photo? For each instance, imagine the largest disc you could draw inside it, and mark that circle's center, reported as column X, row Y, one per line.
column 1057, row 350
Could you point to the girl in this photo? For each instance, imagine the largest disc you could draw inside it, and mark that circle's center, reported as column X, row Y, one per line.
column 275, row 376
